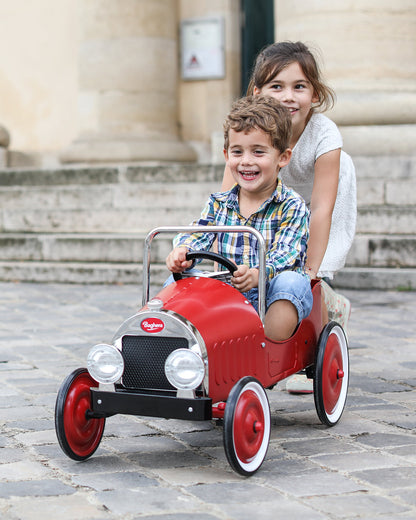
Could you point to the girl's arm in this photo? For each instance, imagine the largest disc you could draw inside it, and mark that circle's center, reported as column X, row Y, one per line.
column 324, row 194
column 228, row 180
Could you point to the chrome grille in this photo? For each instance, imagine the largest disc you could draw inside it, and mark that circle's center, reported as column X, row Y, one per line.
column 144, row 360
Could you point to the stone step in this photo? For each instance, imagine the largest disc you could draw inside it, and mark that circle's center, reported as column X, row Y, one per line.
column 132, row 199
column 367, row 250
column 88, row 224
column 70, row 272
column 102, row 219
column 120, row 199
column 383, row 251
column 82, row 247
column 386, row 219
column 80, row 272
column 390, row 169
column 107, row 196
column 102, row 209
column 128, row 273
column 381, row 278
column 99, row 220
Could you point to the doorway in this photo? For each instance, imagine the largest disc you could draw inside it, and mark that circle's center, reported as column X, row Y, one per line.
column 257, row 31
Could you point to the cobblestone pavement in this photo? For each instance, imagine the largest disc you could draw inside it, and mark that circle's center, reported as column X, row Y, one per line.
column 364, row 467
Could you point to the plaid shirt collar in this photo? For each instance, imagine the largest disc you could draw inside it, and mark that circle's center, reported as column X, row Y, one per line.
column 231, row 197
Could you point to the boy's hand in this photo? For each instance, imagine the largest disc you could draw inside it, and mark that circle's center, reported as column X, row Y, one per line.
column 245, row 278
column 176, row 260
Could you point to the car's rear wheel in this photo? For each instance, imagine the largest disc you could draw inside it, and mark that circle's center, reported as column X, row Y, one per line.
column 78, row 434
column 246, row 426
column 331, row 374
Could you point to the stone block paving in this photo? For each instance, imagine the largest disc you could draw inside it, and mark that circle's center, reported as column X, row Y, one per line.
column 364, row 467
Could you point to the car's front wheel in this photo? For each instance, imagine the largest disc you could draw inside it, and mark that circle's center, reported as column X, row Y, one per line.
column 246, row 426
column 78, row 434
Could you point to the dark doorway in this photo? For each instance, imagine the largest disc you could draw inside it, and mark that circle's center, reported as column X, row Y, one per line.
column 257, row 32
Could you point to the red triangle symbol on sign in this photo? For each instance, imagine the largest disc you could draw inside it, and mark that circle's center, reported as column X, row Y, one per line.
column 193, row 62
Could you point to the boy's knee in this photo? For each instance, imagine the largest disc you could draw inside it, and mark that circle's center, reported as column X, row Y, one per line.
column 291, row 281
column 295, row 287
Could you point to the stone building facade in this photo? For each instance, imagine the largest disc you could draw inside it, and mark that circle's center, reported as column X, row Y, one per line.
column 96, row 81
column 94, row 100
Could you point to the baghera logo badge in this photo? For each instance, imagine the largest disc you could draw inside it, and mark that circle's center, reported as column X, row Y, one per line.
column 152, row 325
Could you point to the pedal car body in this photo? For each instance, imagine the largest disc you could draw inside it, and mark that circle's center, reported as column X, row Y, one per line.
column 197, row 351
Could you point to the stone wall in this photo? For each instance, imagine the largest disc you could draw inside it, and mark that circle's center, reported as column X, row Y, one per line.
column 105, row 85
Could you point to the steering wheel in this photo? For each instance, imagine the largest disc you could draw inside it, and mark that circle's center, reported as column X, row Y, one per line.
column 208, row 255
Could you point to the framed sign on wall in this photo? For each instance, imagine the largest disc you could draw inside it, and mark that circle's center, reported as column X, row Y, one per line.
column 202, row 48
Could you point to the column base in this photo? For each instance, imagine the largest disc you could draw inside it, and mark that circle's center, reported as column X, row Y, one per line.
column 127, row 150
column 3, row 157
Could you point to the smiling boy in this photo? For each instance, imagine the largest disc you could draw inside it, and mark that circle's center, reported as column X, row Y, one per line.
column 257, row 133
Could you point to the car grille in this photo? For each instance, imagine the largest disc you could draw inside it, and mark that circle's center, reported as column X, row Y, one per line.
column 144, row 361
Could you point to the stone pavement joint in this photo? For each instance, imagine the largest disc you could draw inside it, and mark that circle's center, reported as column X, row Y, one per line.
column 146, row 468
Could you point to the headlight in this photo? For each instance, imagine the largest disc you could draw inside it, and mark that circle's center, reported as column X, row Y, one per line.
column 105, row 363
column 184, row 369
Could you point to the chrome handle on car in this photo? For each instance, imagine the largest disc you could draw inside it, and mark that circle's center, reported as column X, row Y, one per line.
column 209, row 229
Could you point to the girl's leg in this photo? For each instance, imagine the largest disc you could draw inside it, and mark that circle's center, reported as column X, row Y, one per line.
column 339, row 307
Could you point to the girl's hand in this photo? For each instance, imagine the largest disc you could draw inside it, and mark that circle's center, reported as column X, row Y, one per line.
column 176, row 260
column 245, row 278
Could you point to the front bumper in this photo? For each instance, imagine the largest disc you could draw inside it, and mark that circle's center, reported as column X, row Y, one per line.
column 132, row 403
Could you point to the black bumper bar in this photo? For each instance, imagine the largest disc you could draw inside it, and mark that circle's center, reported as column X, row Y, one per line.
column 169, row 407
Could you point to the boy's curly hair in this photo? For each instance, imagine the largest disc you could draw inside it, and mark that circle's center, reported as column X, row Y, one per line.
column 263, row 113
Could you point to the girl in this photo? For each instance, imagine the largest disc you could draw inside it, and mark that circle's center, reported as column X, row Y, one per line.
column 319, row 170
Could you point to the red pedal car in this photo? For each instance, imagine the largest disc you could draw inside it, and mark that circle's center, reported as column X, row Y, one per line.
column 197, row 351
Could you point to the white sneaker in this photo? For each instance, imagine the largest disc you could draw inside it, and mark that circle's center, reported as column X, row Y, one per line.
column 299, row 384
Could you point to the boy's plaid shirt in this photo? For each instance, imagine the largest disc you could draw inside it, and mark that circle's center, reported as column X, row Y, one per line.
column 283, row 220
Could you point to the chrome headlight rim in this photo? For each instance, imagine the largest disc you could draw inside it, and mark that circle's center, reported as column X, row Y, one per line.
column 185, row 369
column 105, row 363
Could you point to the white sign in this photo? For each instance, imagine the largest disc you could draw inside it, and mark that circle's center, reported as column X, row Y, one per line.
column 202, row 48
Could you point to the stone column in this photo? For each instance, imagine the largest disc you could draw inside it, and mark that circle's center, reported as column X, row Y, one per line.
column 369, row 57
column 128, row 74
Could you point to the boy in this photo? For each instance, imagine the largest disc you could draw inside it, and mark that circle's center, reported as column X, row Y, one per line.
column 257, row 133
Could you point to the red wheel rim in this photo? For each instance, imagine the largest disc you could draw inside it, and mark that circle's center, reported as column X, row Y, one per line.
column 332, row 373
column 83, row 435
column 248, row 427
